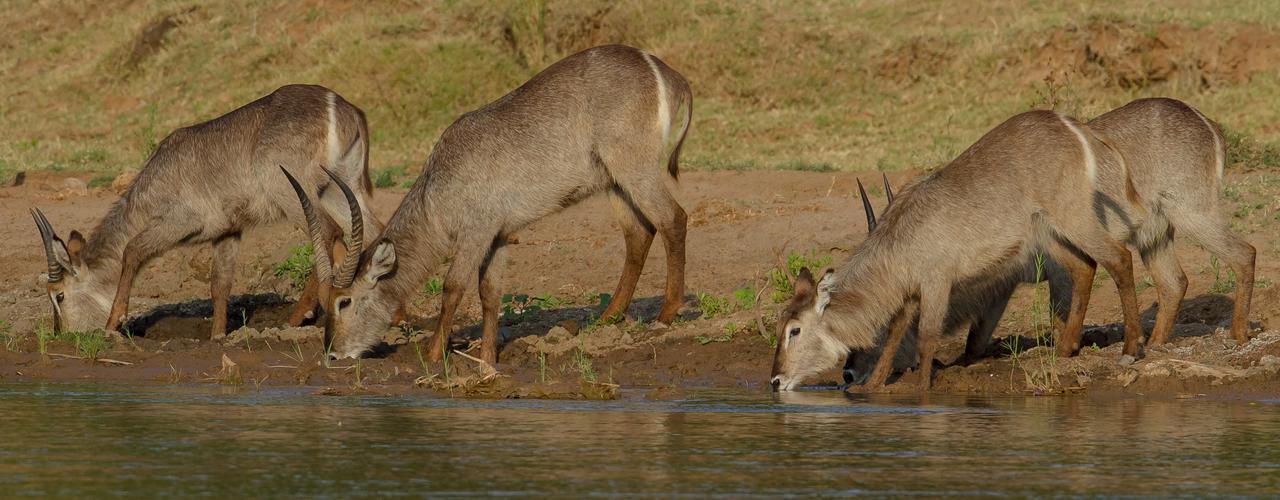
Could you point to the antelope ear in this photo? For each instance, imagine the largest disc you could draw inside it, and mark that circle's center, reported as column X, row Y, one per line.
column 75, row 245
column 804, row 283
column 825, row 286
column 383, row 261
column 63, row 257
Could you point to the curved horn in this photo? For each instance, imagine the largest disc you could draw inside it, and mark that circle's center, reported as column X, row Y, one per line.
column 344, row 275
column 324, row 269
column 46, row 238
column 866, row 207
column 888, row 191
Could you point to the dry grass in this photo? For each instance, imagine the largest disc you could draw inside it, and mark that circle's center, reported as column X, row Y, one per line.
column 804, row 85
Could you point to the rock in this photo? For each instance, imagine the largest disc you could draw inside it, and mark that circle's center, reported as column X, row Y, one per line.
column 123, row 181
column 1127, row 377
column 557, row 334
column 75, row 186
column 1127, row 360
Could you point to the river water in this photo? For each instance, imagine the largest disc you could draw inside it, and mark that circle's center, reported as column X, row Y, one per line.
column 78, row 440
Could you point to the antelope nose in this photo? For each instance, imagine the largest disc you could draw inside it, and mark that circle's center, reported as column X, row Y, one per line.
column 777, row 383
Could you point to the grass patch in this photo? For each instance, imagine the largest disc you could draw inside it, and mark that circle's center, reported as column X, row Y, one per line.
column 780, row 279
column 8, row 337
column 101, row 181
column 515, row 308
column 91, row 344
column 426, row 66
column 297, row 266
column 433, row 286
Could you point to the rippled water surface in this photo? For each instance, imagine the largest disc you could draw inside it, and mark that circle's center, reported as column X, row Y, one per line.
column 96, row 440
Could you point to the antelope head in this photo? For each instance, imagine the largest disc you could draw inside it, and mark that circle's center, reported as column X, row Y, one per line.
column 804, row 345
column 355, row 312
column 75, row 305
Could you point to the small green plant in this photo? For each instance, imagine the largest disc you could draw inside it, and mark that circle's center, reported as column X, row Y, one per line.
column 1043, row 375
column 746, row 297
column 712, row 306
column 444, row 364
column 1144, row 284
column 44, row 335
column 729, row 330
column 433, row 286
column 780, row 279
column 91, row 344
column 542, row 366
column 383, row 179
column 1221, row 284
column 99, row 181
column 9, row 338
column 517, row 307
column 148, row 132
column 388, row 177
column 583, row 363
column 296, row 267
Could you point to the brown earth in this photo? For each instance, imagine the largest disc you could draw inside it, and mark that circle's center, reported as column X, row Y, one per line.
column 1123, row 55
column 741, row 226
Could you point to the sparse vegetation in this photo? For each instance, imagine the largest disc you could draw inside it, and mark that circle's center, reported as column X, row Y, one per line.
column 100, row 181
column 468, row 52
column 1221, row 284
column 516, row 307
column 583, row 364
column 780, row 279
column 91, row 344
column 8, row 337
column 296, row 267
column 433, row 286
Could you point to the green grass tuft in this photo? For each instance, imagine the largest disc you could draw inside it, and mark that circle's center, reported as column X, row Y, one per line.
column 297, row 266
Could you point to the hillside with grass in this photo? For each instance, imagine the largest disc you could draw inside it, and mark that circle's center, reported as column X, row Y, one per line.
column 818, row 85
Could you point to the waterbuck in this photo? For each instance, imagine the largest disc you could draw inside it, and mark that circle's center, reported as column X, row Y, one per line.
column 608, row 119
column 1175, row 158
column 1039, row 182
column 207, row 183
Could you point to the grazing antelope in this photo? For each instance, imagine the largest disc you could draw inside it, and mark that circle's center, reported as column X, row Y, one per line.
column 1039, row 182
column 608, row 119
column 1175, row 158
column 207, row 183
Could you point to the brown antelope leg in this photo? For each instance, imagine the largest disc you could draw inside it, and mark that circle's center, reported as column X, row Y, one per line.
column 305, row 308
column 464, row 270
column 138, row 251
column 448, row 304
column 935, row 299
column 979, row 340
column 1081, row 269
column 400, row 316
column 1121, row 270
column 1241, row 257
column 897, row 330
column 1171, row 285
column 638, row 234
column 224, row 272
column 491, row 302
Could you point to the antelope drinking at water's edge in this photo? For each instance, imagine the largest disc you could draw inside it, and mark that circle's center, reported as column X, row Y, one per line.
column 1175, row 157
column 1039, row 182
column 207, row 183
column 608, row 119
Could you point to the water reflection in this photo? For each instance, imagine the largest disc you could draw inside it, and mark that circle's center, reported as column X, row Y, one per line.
column 87, row 440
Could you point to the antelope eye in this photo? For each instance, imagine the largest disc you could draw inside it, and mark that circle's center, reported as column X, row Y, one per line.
column 344, row 302
column 794, row 331
column 59, row 297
